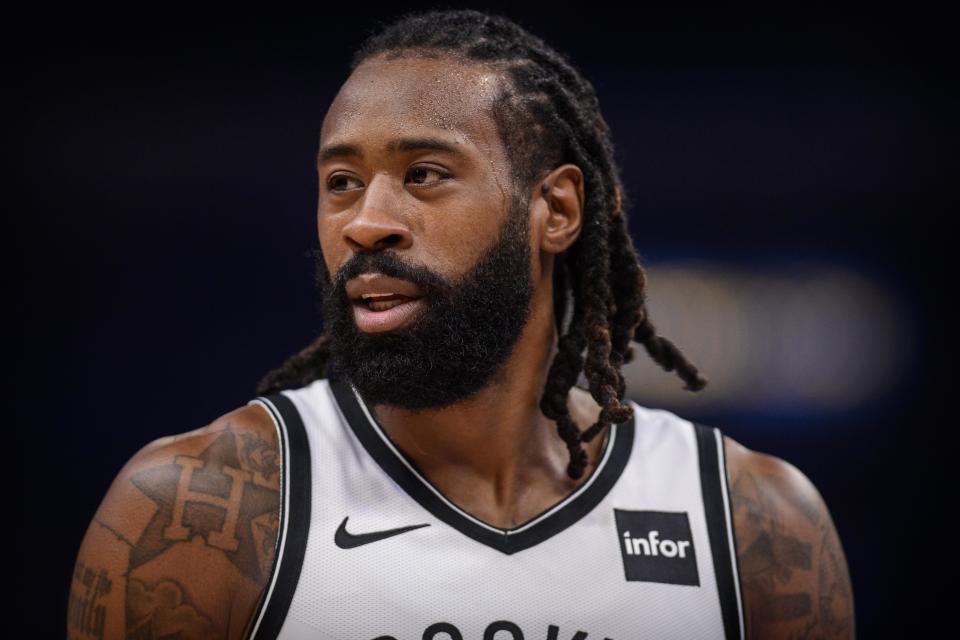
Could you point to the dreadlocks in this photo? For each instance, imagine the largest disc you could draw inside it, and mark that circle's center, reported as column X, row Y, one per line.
column 547, row 114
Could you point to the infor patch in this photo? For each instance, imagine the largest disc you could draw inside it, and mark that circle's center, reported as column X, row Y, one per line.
column 657, row 546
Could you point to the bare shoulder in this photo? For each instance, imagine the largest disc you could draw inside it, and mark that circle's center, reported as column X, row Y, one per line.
column 792, row 567
column 182, row 544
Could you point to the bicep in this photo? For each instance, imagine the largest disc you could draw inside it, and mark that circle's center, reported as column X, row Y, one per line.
column 792, row 566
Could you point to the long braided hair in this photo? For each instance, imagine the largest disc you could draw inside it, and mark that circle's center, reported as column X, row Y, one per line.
column 547, row 114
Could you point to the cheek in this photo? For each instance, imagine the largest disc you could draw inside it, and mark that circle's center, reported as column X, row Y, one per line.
column 464, row 231
column 456, row 244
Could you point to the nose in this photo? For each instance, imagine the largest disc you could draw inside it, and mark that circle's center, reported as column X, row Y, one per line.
column 378, row 223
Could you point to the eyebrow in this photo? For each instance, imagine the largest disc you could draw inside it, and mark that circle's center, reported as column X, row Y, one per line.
column 347, row 150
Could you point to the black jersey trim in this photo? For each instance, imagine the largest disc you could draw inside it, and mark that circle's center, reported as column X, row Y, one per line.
column 616, row 453
column 717, row 509
column 294, row 516
column 738, row 585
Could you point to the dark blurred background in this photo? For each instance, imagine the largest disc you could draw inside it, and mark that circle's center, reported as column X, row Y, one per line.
column 789, row 186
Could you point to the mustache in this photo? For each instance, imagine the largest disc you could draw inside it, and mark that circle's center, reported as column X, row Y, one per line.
column 387, row 263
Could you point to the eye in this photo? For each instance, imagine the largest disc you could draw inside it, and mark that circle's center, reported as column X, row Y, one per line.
column 340, row 182
column 420, row 174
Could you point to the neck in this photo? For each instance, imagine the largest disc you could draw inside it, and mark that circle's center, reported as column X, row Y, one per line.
column 495, row 454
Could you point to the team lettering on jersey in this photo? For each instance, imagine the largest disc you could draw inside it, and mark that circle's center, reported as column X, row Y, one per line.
column 499, row 630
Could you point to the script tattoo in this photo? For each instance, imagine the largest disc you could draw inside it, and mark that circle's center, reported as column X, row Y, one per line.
column 86, row 616
column 792, row 567
column 212, row 496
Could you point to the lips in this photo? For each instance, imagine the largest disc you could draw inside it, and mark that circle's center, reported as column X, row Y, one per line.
column 396, row 317
column 375, row 285
column 382, row 303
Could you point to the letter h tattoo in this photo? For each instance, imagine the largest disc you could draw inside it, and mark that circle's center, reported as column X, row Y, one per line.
column 225, row 538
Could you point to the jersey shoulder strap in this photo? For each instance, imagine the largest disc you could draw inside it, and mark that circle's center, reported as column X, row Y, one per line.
column 294, row 523
column 718, row 509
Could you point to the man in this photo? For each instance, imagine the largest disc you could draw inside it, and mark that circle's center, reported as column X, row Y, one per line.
column 402, row 476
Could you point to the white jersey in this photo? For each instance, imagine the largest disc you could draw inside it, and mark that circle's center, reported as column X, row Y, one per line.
column 370, row 550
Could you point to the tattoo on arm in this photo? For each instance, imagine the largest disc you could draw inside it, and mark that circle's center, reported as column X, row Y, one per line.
column 219, row 507
column 186, row 545
column 260, row 455
column 212, row 497
column 792, row 567
column 86, row 607
column 163, row 610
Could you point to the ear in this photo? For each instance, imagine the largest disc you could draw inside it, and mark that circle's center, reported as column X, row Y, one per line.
column 557, row 207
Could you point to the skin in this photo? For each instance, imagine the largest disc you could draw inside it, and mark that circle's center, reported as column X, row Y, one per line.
column 193, row 555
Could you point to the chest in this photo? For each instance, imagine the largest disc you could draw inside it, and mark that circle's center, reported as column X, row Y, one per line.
column 379, row 553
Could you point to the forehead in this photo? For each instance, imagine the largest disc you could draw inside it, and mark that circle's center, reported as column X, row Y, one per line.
column 386, row 99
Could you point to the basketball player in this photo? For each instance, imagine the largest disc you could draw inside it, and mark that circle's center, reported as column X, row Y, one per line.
column 429, row 466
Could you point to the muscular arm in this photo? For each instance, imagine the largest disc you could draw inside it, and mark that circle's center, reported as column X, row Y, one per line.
column 792, row 566
column 183, row 543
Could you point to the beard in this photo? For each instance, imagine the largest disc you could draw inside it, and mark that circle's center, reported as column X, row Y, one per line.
column 466, row 331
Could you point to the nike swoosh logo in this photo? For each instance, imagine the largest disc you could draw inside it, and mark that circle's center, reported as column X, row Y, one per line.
column 346, row 540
